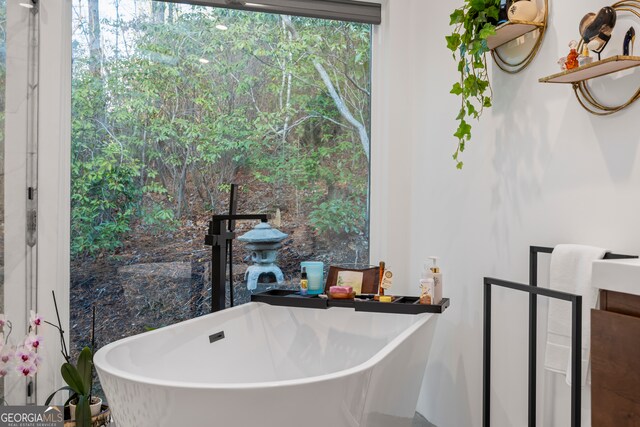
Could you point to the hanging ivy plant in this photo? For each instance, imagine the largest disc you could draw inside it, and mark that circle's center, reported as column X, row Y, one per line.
column 473, row 23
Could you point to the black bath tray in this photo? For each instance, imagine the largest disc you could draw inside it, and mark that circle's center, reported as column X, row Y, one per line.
column 289, row 298
column 400, row 304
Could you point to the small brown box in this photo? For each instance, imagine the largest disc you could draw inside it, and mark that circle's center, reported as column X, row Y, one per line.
column 370, row 278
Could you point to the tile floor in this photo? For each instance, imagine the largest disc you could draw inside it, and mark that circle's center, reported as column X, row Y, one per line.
column 420, row 421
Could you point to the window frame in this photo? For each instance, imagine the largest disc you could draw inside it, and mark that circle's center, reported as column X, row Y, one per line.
column 364, row 12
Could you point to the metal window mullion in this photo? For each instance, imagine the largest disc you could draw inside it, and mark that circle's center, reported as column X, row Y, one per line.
column 31, row 256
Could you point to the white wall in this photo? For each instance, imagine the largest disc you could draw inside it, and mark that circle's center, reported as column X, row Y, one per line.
column 391, row 140
column 539, row 171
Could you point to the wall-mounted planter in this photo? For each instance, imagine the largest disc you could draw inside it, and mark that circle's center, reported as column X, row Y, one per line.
column 474, row 35
column 512, row 30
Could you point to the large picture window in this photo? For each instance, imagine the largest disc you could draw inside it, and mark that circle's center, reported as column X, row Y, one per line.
column 173, row 102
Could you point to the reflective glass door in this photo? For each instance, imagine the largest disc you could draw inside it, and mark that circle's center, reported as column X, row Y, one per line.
column 3, row 74
column 16, row 111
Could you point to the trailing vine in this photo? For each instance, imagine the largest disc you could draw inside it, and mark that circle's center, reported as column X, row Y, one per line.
column 473, row 23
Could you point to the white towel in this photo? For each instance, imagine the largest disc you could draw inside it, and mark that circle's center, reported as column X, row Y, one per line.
column 570, row 272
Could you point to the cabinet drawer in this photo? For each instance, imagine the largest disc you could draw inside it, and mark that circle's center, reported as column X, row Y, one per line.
column 615, row 369
column 620, row 303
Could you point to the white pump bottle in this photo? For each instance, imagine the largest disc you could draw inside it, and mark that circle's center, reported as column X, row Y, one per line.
column 427, row 286
column 437, row 279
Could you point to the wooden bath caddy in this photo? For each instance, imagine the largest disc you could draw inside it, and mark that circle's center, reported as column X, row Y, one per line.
column 399, row 305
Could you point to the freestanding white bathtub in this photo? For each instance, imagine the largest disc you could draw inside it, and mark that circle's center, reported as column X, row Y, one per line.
column 275, row 367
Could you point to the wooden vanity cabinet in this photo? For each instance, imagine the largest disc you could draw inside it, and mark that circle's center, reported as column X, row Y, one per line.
column 615, row 361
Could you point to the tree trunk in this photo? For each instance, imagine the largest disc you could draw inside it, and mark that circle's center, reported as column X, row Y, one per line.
column 342, row 107
column 95, row 46
column 287, row 76
column 181, row 187
column 337, row 100
column 158, row 9
column 117, row 25
column 170, row 18
column 143, row 168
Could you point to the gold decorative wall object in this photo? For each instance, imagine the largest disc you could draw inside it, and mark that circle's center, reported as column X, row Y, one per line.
column 512, row 30
column 579, row 77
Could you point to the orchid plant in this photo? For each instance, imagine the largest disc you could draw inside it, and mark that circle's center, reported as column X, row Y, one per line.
column 23, row 358
column 78, row 377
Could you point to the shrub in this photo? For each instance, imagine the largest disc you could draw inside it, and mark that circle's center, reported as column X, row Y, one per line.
column 339, row 216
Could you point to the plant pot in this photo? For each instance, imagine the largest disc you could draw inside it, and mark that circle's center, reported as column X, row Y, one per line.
column 102, row 419
column 95, row 407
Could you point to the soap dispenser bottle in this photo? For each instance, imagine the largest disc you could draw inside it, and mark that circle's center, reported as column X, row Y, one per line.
column 437, row 279
column 426, row 286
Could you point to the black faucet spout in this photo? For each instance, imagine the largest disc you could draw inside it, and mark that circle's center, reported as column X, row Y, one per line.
column 220, row 238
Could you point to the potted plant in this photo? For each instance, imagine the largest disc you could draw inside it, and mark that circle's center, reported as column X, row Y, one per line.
column 79, row 380
column 473, row 23
column 85, row 409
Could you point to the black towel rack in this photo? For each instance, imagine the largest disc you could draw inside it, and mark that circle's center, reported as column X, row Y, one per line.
column 576, row 337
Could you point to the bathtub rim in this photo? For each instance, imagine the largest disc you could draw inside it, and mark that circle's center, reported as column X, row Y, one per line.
column 100, row 358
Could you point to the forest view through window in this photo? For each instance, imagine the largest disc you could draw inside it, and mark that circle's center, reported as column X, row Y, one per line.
column 173, row 102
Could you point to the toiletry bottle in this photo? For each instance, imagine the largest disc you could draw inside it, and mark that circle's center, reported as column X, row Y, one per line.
column 572, row 57
column 380, row 288
column 584, row 58
column 304, row 283
column 426, row 286
column 387, row 280
column 629, row 39
column 437, row 279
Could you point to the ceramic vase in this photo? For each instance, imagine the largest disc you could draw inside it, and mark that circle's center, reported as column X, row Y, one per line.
column 94, row 407
column 523, row 10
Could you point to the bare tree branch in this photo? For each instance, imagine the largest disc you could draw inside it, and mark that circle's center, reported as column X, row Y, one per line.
column 339, row 102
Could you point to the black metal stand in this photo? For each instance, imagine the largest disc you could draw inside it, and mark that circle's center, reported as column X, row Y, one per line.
column 576, row 337
column 220, row 238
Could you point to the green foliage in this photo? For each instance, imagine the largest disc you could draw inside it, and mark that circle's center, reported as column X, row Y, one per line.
column 79, row 380
column 186, row 108
column 105, row 195
column 339, row 216
column 473, row 23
